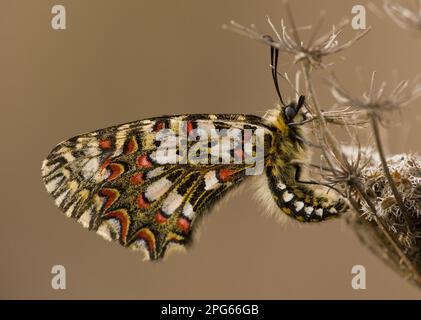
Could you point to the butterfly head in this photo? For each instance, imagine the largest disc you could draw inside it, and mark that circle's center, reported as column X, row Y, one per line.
column 291, row 110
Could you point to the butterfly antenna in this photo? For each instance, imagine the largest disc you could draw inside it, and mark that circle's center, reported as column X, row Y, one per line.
column 301, row 102
column 274, row 54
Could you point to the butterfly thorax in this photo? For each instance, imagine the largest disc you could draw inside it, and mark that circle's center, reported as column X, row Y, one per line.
column 287, row 145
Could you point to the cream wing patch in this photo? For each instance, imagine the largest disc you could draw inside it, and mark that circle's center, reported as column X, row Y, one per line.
column 211, row 180
column 171, row 203
column 157, row 189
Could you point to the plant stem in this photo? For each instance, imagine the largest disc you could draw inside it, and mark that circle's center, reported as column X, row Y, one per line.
column 321, row 121
column 396, row 194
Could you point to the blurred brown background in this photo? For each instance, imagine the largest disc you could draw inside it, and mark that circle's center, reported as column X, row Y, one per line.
column 120, row 61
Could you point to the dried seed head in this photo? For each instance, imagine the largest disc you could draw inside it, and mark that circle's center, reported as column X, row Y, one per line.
column 406, row 173
column 288, row 39
column 407, row 177
column 376, row 100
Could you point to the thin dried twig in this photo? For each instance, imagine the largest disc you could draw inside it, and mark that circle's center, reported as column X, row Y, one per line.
column 397, row 195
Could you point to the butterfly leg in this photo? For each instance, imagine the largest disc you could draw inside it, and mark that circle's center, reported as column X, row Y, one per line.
column 298, row 172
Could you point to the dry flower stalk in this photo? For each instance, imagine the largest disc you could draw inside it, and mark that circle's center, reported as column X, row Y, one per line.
column 385, row 193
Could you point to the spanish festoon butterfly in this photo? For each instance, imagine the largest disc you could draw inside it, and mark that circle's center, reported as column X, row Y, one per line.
column 146, row 183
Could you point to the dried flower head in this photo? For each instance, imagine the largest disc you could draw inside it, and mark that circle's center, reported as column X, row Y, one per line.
column 406, row 172
column 288, row 40
column 406, row 18
column 376, row 100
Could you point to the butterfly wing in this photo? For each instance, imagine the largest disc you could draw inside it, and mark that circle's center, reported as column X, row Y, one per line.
column 114, row 181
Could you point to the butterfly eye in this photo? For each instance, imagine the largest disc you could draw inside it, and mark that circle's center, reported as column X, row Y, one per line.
column 290, row 112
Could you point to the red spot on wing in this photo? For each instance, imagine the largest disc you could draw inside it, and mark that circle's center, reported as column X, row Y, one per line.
column 105, row 165
column 116, row 170
column 143, row 162
column 159, row 218
column 131, row 146
column 148, row 237
column 189, row 127
column 183, row 224
column 124, row 220
column 137, row 178
column 111, row 195
column 105, row 144
column 141, row 202
column 225, row 174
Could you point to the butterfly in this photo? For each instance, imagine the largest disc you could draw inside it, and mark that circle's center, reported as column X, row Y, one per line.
column 146, row 184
